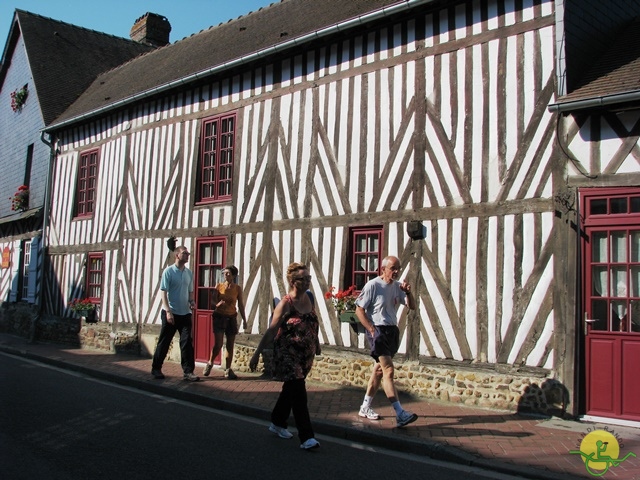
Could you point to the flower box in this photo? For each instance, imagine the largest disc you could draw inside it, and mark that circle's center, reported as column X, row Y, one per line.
column 88, row 315
column 83, row 307
column 349, row 317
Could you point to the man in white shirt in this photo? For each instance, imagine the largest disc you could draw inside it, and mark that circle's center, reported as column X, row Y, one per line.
column 377, row 307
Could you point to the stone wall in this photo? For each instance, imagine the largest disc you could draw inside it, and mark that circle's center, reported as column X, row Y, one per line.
column 472, row 385
column 486, row 386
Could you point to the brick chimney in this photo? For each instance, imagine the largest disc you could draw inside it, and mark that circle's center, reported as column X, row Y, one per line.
column 151, row 29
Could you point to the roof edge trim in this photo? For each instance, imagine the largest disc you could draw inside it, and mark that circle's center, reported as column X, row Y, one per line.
column 345, row 25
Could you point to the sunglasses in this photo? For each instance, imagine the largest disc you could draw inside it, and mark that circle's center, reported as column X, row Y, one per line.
column 305, row 277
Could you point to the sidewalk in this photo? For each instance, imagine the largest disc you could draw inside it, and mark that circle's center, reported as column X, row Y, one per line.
column 531, row 447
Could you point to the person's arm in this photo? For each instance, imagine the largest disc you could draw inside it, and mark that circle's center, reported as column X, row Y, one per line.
column 241, row 308
column 366, row 322
column 214, row 298
column 278, row 315
column 409, row 301
column 165, row 305
column 364, row 299
column 192, row 300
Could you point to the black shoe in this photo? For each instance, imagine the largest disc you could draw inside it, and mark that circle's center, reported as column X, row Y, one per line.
column 157, row 373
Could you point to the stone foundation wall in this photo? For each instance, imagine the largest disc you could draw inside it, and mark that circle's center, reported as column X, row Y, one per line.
column 477, row 386
column 486, row 386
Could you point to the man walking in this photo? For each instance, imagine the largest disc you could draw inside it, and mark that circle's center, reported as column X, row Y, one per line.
column 177, row 302
column 376, row 308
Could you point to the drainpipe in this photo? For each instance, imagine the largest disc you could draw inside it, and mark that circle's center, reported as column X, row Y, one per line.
column 595, row 102
column 44, row 247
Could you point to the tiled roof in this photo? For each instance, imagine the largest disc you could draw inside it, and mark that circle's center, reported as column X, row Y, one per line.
column 267, row 27
column 613, row 76
column 65, row 59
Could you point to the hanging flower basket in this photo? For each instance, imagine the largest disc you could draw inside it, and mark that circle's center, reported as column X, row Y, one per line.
column 20, row 199
column 19, row 98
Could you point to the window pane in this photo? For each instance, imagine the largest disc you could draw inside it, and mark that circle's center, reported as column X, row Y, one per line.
column 598, row 207
column 599, row 247
column 599, row 282
column 635, row 204
column 619, row 316
column 205, row 275
column 217, row 253
column 373, row 243
column 618, row 282
column 634, row 314
column 634, row 240
column 599, row 314
column 373, row 264
column 618, row 205
column 634, row 281
column 619, row 247
column 205, row 254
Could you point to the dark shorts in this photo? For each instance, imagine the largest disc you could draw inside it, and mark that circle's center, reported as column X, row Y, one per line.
column 224, row 324
column 385, row 342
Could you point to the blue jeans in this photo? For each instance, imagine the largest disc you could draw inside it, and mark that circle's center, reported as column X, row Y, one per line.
column 181, row 324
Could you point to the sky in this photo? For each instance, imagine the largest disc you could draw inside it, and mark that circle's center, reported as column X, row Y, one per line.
column 116, row 17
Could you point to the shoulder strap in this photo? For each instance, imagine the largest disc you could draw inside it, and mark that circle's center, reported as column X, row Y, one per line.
column 310, row 295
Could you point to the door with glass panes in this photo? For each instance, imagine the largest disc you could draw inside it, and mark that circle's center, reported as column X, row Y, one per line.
column 612, row 301
column 210, row 254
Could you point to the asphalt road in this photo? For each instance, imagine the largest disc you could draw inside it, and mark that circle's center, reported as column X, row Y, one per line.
column 57, row 424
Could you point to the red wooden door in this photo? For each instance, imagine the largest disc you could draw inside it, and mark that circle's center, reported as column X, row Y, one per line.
column 210, row 254
column 612, row 294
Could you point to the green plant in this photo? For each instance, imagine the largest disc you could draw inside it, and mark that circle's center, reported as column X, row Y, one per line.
column 343, row 300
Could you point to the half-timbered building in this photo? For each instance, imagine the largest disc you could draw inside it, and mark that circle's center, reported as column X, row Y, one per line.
column 46, row 65
column 335, row 133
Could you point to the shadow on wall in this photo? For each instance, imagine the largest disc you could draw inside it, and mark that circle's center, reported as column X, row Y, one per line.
column 551, row 398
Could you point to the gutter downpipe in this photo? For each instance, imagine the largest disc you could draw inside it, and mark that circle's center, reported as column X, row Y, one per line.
column 43, row 244
column 594, row 102
column 338, row 27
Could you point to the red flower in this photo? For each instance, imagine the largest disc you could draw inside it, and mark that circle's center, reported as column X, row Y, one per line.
column 343, row 300
column 20, row 200
column 81, row 304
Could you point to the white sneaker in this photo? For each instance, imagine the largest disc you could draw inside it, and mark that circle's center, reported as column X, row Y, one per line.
column 310, row 443
column 367, row 412
column 281, row 432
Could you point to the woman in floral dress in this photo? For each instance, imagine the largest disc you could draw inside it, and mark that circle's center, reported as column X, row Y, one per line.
column 294, row 331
